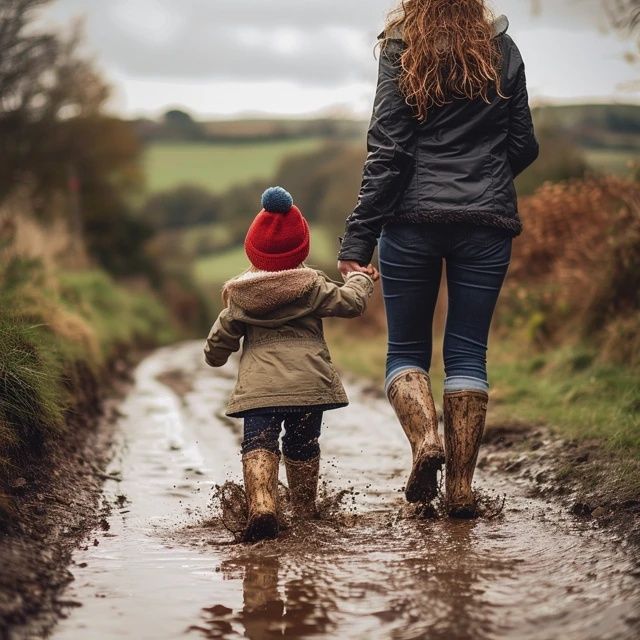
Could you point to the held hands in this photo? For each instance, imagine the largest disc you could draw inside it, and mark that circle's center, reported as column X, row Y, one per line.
column 347, row 266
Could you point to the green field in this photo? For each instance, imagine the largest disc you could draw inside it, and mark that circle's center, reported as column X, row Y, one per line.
column 219, row 267
column 217, row 166
column 618, row 161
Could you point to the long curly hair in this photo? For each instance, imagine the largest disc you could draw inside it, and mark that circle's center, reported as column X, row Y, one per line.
column 450, row 52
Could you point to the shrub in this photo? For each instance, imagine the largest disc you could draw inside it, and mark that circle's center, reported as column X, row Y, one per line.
column 576, row 267
column 182, row 207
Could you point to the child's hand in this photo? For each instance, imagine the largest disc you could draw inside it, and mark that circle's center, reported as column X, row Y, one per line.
column 375, row 274
column 349, row 266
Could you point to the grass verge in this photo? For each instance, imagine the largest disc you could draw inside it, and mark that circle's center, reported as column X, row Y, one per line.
column 58, row 334
column 572, row 391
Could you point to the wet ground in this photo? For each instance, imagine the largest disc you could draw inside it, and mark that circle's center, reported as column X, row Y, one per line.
column 162, row 567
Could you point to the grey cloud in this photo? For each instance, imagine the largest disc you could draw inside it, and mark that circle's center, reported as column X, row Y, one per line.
column 219, row 52
column 207, row 43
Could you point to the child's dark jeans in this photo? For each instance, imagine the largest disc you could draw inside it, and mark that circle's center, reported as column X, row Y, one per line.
column 301, row 433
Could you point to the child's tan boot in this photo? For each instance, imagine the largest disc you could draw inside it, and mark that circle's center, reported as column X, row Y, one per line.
column 302, row 477
column 410, row 396
column 261, row 486
column 464, row 419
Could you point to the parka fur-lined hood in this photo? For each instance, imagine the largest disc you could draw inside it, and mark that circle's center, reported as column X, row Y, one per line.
column 259, row 293
column 277, row 319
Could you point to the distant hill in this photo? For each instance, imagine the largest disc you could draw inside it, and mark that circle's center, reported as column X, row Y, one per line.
column 591, row 126
column 178, row 126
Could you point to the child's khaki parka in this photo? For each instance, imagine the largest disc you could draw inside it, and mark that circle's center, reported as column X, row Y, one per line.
column 285, row 361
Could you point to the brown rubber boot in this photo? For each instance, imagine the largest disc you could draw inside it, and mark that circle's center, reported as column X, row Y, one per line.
column 302, row 477
column 261, row 486
column 410, row 396
column 464, row 417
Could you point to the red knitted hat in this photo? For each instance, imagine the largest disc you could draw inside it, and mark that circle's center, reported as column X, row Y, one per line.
column 278, row 238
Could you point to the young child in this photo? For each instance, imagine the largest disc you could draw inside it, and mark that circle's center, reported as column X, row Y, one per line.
column 285, row 373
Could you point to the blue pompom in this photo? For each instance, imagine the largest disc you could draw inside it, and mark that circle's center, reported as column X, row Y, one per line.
column 277, row 200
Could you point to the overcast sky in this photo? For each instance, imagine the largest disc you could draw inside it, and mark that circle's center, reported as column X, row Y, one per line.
column 224, row 57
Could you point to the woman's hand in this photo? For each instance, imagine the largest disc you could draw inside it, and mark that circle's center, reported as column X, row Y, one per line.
column 348, row 266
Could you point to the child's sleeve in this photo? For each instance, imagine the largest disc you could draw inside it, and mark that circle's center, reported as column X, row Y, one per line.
column 223, row 340
column 346, row 301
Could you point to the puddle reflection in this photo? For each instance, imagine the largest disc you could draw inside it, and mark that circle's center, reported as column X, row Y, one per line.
column 291, row 608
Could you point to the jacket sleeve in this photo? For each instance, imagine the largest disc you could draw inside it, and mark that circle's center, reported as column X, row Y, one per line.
column 223, row 340
column 389, row 164
column 346, row 301
column 522, row 144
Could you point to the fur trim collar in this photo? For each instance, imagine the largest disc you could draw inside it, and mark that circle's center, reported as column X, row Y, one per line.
column 500, row 25
column 261, row 292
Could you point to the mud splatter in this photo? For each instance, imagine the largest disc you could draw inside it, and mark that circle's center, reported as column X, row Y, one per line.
column 229, row 507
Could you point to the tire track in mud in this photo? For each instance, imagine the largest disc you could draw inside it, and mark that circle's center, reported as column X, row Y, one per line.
column 164, row 569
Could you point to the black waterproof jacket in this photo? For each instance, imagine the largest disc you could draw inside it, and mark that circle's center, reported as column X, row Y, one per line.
column 456, row 166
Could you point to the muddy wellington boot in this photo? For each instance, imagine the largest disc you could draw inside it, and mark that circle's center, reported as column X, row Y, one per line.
column 464, row 418
column 302, row 477
column 261, row 486
column 410, row 396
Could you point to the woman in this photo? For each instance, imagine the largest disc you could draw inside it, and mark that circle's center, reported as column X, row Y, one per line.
column 451, row 129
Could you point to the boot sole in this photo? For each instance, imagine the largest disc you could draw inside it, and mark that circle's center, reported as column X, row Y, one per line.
column 422, row 485
column 262, row 527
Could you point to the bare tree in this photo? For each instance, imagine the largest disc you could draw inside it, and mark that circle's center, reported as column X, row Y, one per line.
column 42, row 73
column 24, row 58
column 44, row 82
column 624, row 14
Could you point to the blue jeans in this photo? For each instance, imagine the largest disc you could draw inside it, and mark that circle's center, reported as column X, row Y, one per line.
column 411, row 257
column 301, row 433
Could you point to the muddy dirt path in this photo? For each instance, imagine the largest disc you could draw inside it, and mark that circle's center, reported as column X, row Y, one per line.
column 159, row 570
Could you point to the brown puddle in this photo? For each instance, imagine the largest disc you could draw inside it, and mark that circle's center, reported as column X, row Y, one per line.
column 371, row 569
